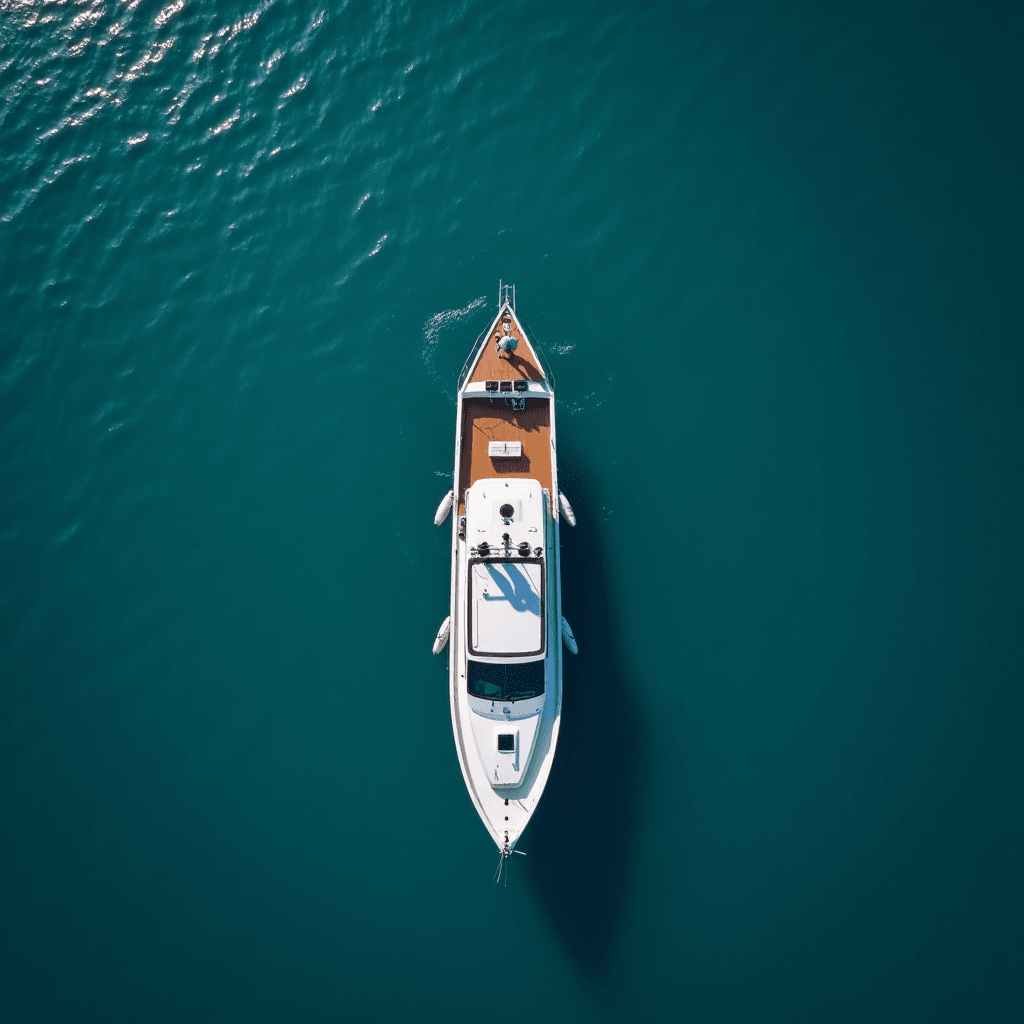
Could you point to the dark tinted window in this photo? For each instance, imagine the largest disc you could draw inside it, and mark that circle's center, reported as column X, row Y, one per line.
column 506, row 741
column 506, row 682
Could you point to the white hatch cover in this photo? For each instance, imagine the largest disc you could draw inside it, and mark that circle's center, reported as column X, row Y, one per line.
column 506, row 608
column 505, row 449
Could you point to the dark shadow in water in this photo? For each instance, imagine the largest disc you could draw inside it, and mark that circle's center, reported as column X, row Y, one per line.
column 579, row 843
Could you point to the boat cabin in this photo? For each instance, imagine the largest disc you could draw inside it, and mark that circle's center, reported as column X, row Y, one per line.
column 504, row 531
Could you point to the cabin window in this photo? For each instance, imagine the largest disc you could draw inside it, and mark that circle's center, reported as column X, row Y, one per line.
column 506, row 682
column 506, row 742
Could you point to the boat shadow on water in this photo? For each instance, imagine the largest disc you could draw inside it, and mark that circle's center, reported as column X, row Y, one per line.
column 581, row 838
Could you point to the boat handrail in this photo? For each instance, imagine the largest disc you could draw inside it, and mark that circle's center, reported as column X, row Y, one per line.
column 469, row 359
column 506, row 295
column 541, row 356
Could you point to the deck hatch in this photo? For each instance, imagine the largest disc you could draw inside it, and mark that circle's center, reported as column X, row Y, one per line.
column 506, row 742
column 505, row 449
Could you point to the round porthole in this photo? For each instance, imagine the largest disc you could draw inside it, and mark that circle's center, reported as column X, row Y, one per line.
column 506, row 511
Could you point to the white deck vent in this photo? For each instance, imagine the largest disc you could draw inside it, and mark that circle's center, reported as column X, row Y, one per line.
column 505, row 449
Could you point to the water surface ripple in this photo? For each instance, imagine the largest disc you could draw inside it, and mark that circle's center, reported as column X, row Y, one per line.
column 774, row 255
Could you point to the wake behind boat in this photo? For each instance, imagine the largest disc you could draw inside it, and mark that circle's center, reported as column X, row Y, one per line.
column 505, row 620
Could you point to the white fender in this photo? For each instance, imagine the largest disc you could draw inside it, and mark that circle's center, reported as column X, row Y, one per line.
column 441, row 640
column 567, row 512
column 443, row 509
column 567, row 638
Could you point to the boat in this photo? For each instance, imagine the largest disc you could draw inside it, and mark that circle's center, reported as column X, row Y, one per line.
column 505, row 628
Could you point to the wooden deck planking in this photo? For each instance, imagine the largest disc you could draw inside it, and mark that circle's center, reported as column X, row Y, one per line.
column 485, row 420
column 521, row 366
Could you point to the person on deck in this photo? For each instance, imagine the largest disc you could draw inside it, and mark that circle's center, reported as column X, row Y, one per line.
column 508, row 345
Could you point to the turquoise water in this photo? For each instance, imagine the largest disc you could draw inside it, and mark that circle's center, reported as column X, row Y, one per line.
column 774, row 254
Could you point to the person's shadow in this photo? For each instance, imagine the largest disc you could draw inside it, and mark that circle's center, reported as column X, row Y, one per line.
column 580, row 840
column 515, row 588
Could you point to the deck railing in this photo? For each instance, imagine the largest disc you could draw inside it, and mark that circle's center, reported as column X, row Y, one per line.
column 507, row 293
column 469, row 359
column 541, row 355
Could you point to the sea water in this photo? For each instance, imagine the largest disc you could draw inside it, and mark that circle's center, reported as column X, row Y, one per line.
column 773, row 253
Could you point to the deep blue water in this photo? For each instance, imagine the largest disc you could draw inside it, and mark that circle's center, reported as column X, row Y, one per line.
column 774, row 253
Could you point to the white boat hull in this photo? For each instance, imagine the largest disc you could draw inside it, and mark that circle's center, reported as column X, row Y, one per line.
column 506, row 812
column 505, row 799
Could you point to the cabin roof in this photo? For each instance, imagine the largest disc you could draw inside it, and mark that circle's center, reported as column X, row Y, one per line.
column 506, row 614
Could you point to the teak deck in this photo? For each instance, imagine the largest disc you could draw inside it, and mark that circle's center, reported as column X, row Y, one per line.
column 521, row 366
column 486, row 419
